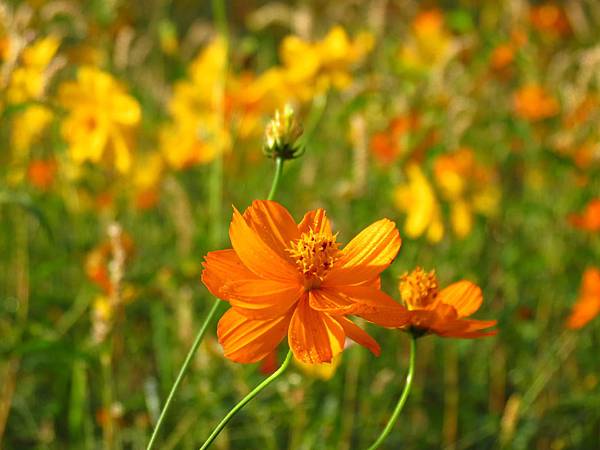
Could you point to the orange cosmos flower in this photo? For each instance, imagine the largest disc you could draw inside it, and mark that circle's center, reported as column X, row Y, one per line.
column 588, row 304
column 589, row 219
column 441, row 312
column 286, row 279
column 533, row 103
column 41, row 173
column 551, row 19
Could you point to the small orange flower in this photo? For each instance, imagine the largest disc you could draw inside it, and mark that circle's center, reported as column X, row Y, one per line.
column 588, row 304
column 533, row 103
column 281, row 278
column 388, row 145
column 502, row 56
column 589, row 219
column 550, row 18
column 41, row 173
column 441, row 312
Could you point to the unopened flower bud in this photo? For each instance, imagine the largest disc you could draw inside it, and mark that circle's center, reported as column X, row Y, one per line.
column 282, row 134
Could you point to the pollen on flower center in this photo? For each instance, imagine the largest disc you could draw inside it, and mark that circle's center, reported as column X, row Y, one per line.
column 419, row 289
column 314, row 254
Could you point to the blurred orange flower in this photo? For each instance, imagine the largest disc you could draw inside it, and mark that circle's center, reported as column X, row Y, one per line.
column 532, row 102
column 429, row 45
column 589, row 219
column 281, row 278
column 444, row 312
column 97, row 261
column 588, row 303
column 502, row 56
column 550, row 18
column 388, row 145
column 41, row 173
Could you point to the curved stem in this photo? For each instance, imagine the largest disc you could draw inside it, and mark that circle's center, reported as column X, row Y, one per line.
column 246, row 399
column 182, row 371
column 276, row 177
column 409, row 378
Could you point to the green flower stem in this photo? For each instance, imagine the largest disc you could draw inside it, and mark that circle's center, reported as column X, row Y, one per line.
column 183, row 370
column 276, row 177
column 246, row 399
column 409, row 378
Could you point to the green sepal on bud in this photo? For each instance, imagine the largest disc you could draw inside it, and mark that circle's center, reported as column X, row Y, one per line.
column 282, row 134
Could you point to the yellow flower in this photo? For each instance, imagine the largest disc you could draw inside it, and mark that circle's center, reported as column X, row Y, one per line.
column 197, row 131
column 28, row 126
column 28, row 80
column 419, row 201
column 468, row 186
column 146, row 176
column 101, row 118
column 429, row 44
column 40, row 53
column 310, row 69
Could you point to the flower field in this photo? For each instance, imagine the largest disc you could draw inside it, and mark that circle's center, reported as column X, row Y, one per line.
column 309, row 225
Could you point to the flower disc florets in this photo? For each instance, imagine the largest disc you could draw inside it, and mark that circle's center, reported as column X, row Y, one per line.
column 314, row 254
column 419, row 289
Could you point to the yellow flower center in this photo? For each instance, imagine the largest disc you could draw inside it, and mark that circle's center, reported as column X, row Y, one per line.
column 418, row 289
column 314, row 254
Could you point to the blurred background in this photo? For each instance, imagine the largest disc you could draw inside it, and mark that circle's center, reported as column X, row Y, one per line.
column 130, row 128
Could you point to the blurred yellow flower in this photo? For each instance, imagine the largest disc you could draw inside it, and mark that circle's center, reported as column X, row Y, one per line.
column 417, row 198
column 429, row 44
column 469, row 187
column 101, row 119
column 28, row 127
column 146, row 176
column 28, row 79
column 309, row 69
column 197, row 131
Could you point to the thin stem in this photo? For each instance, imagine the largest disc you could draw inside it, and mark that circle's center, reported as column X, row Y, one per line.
column 276, row 177
column 409, row 378
column 247, row 399
column 183, row 370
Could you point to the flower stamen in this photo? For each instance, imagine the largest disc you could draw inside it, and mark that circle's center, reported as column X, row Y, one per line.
column 314, row 254
column 419, row 289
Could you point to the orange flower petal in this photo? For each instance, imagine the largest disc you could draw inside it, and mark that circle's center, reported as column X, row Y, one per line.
column 316, row 220
column 464, row 296
column 314, row 337
column 590, row 285
column 220, row 267
column 365, row 301
column 273, row 223
column 332, row 302
column 367, row 255
column 586, row 309
column 256, row 254
column 247, row 341
column 358, row 335
column 261, row 299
